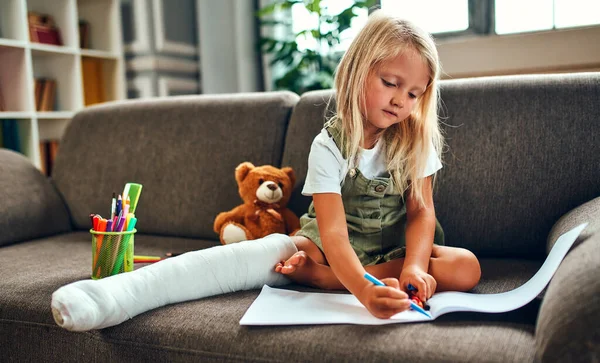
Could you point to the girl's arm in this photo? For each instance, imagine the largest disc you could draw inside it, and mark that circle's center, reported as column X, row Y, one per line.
column 420, row 230
column 331, row 219
column 381, row 301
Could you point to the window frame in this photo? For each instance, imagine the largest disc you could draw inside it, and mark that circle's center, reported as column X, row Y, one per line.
column 481, row 20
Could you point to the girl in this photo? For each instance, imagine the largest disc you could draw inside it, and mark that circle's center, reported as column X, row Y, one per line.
column 370, row 172
column 370, row 177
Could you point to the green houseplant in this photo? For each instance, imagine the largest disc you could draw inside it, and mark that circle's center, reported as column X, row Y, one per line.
column 311, row 68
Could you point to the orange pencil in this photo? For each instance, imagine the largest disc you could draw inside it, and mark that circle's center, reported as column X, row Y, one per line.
column 101, row 227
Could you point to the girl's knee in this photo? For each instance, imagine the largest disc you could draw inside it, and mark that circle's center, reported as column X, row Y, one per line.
column 304, row 244
column 468, row 269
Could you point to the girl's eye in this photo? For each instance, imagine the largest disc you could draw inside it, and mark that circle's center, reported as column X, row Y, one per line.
column 387, row 84
column 412, row 95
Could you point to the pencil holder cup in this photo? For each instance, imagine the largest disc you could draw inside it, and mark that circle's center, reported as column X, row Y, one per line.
column 112, row 253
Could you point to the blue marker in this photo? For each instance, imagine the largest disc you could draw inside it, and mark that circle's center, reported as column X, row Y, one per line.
column 413, row 306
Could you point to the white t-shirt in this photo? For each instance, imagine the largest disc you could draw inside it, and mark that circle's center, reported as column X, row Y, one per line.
column 327, row 168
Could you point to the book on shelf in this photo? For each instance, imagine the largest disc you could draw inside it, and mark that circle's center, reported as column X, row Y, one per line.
column 93, row 81
column 2, row 106
column 48, row 152
column 84, row 34
column 42, row 29
column 10, row 135
column 45, row 94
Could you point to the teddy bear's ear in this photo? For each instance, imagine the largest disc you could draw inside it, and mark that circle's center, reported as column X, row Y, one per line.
column 290, row 173
column 242, row 171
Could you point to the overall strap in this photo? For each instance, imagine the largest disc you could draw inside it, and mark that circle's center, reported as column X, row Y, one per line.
column 334, row 129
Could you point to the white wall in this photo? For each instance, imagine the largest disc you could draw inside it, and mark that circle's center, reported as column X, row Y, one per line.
column 228, row 60
column 568, row 50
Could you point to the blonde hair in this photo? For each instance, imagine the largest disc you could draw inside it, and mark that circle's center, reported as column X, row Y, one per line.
column 407, row 143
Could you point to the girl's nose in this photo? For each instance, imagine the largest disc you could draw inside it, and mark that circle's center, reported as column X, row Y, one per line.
column 398, row 101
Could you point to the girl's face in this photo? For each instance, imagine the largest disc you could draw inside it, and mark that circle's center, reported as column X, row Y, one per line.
column 393, row 90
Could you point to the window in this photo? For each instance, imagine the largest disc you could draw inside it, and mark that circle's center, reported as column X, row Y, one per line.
column 495, row 16
column 516, row 16
column 435, row 16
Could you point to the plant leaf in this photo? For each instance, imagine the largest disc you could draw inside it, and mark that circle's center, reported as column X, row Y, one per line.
column 276, row 5
column 344, row 18
column 314, row 6
column 272, row 22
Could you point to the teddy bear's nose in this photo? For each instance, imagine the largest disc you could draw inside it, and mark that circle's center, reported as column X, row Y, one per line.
column 272, row 186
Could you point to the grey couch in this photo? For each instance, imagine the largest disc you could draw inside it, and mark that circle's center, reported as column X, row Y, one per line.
column 522, row 167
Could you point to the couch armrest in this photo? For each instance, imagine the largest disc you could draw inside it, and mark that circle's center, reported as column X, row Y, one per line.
column 569, row 318
column 30, row 206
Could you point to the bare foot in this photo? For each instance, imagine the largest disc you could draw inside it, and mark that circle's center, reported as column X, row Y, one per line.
column 303, row 270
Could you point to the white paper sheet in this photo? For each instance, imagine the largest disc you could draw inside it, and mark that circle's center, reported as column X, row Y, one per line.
column 285, row 307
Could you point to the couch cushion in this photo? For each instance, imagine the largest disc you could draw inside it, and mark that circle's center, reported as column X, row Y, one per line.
column 183, row 150
column 522, row 151
column 209, row 329
column 30, row 206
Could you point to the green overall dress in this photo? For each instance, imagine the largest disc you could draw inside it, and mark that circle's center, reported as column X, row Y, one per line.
column 375, row 215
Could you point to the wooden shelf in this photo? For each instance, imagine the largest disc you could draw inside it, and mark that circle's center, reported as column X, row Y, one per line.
column 15, row 115
column 99, row 54
column 40, row 49
column 55, row 115
column 12, row 43
column 24, row 61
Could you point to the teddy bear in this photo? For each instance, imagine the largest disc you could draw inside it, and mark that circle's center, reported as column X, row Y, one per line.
column 265, row 191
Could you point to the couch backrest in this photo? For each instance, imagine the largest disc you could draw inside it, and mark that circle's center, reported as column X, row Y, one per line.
column 306, row 122
column 522, row 151
column 183, row 150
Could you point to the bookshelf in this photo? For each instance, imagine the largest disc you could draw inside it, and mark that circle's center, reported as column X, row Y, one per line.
column 82, row 76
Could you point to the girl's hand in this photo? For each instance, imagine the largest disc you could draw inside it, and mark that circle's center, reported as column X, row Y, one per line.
column 420, row 279
column 384, row 301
